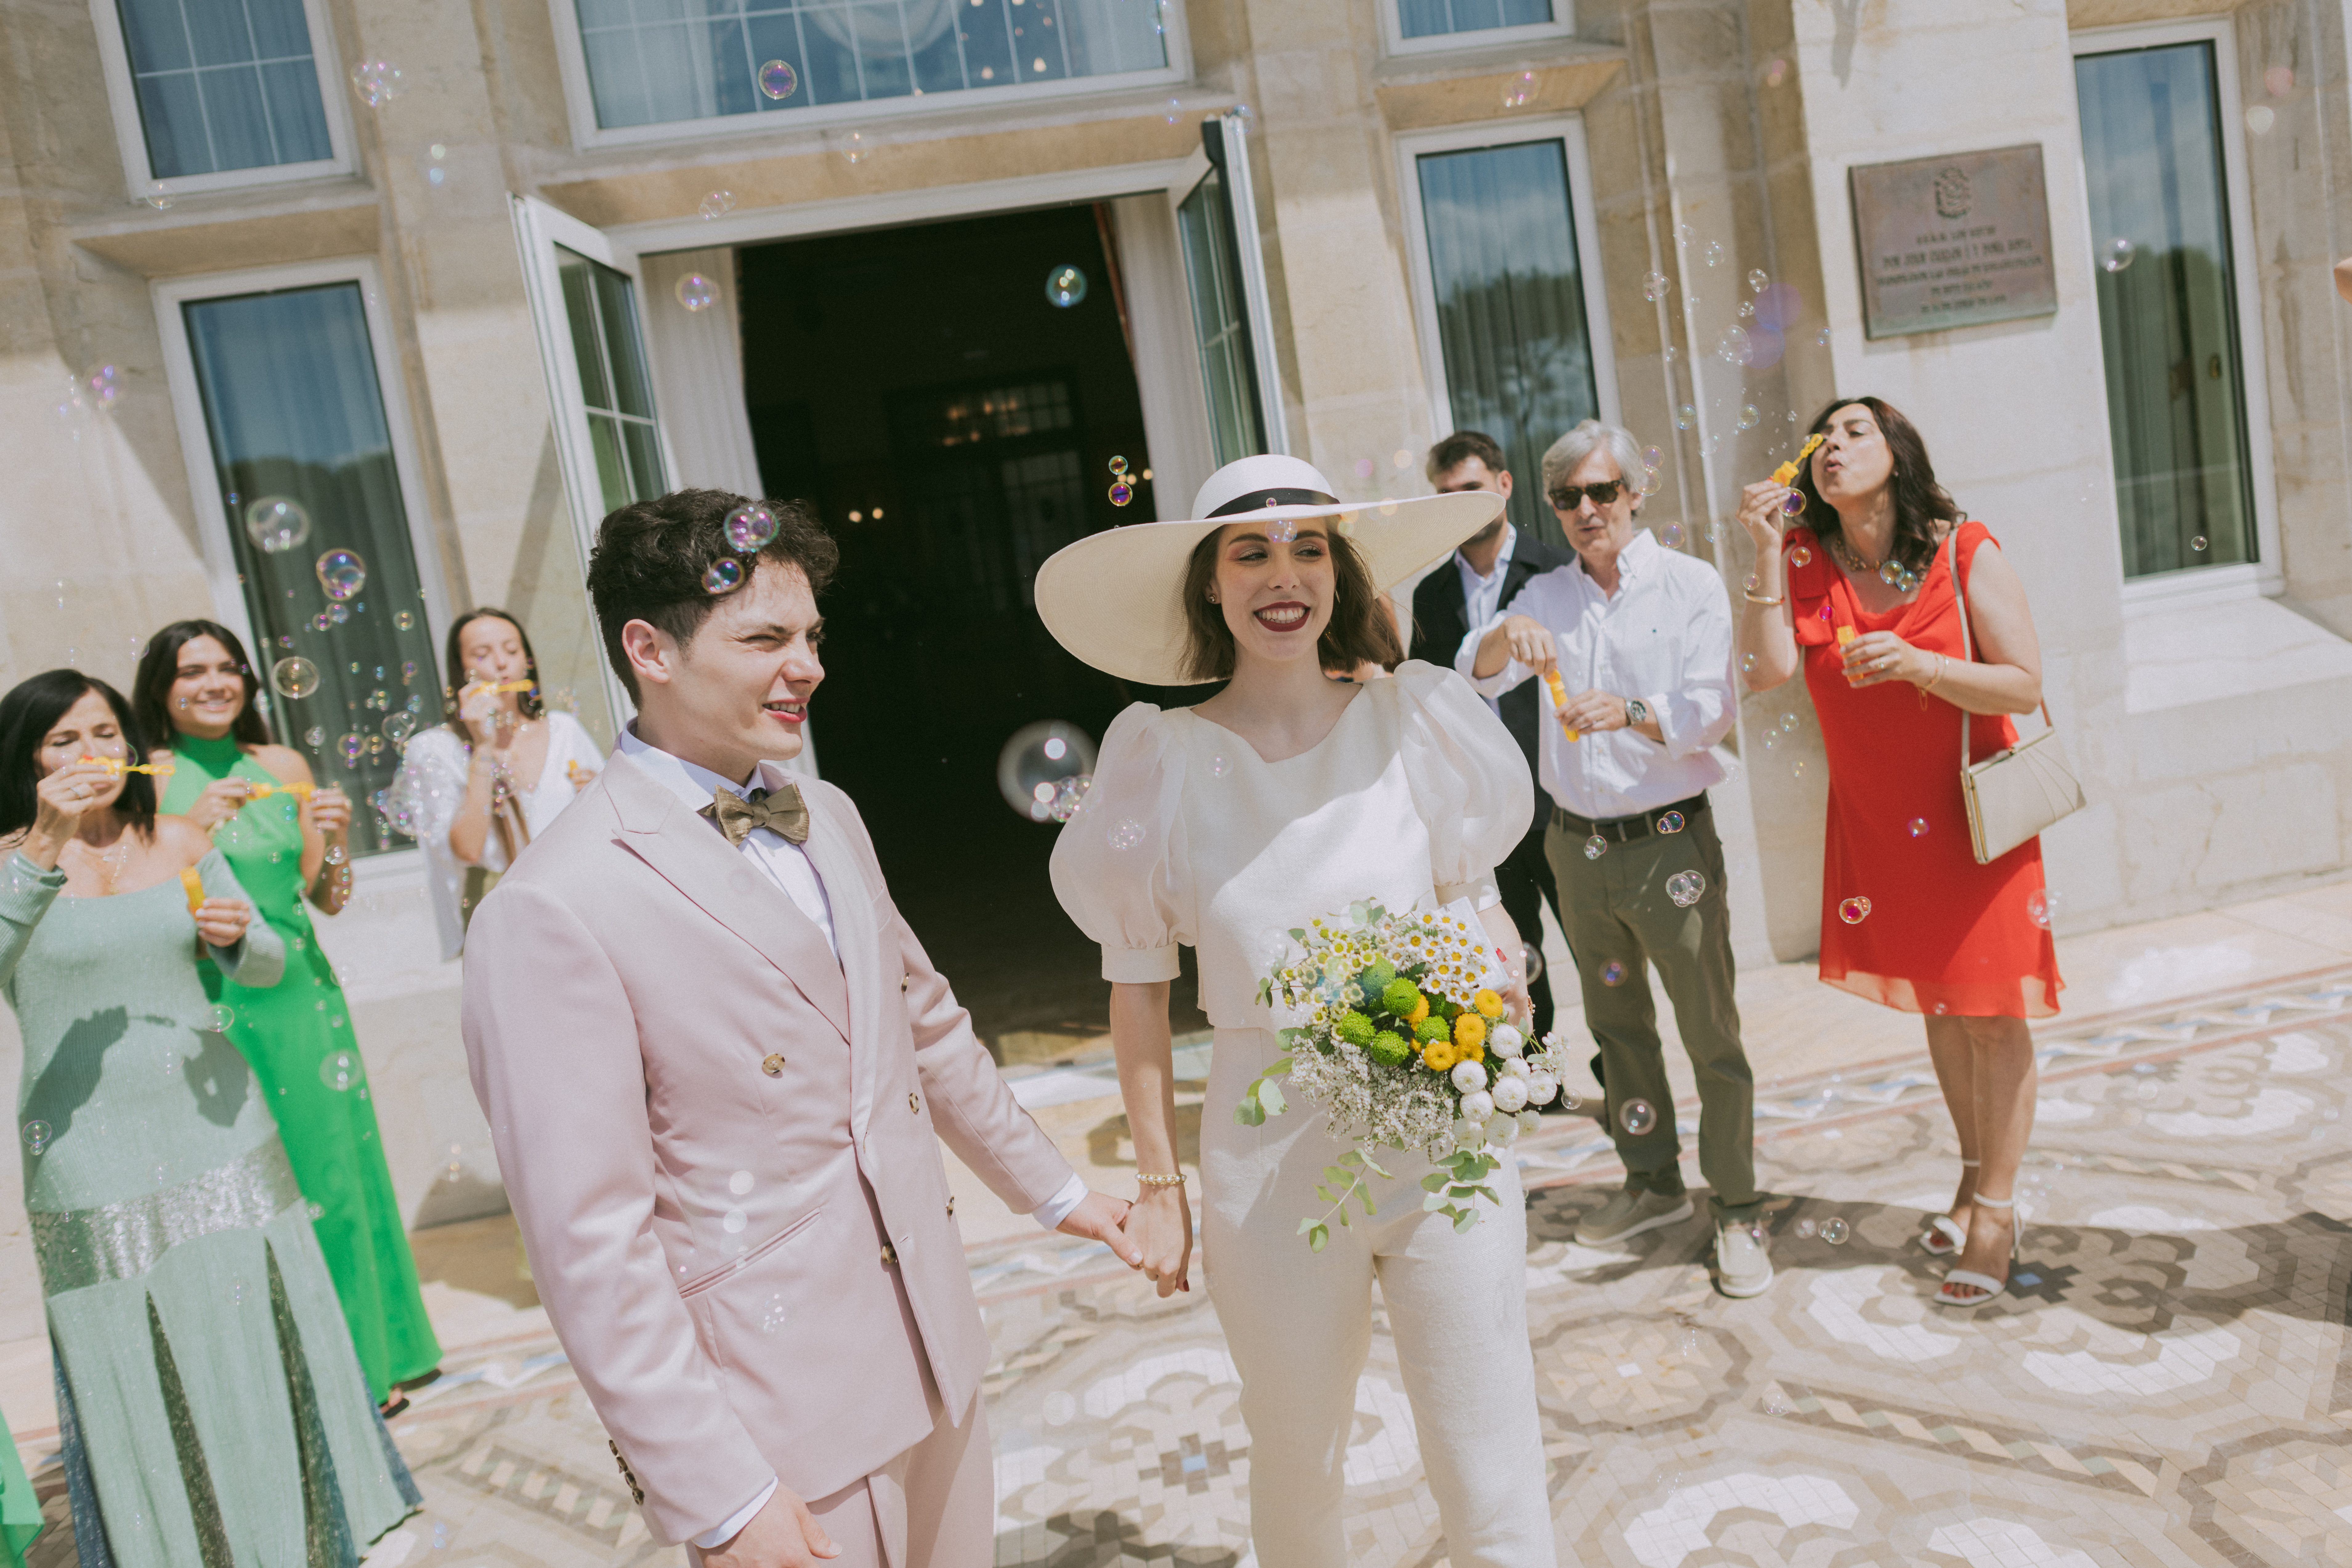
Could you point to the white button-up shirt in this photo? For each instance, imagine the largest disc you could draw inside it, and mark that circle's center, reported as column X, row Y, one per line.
column 1665, row 637
column 788, row 866
column 1482, row 598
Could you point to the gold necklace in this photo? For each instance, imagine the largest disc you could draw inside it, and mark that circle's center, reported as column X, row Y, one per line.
column 110, row 863
column 1849, row 557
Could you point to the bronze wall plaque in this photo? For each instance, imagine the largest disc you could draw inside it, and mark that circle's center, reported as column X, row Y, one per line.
column 1953, row 241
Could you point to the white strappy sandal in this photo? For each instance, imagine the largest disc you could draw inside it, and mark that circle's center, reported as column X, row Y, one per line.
column 1969, row 1279
column 1945, row 1235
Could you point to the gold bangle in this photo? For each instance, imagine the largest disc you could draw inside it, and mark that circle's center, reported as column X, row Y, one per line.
column 1149, row 1181
column 1752, row 599
column 1940, row 662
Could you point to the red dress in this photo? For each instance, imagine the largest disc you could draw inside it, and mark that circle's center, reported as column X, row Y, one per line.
column 1943, row 934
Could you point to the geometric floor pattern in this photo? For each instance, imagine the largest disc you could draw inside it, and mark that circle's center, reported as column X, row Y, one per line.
column 2166, row 1383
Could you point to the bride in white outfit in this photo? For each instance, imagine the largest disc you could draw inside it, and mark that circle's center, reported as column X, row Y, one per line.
column 1285, row 796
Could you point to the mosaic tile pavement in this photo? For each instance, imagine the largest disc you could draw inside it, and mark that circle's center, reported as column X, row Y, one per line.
column 2166, row 1383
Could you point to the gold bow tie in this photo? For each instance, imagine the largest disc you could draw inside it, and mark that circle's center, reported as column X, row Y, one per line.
column 778, row 811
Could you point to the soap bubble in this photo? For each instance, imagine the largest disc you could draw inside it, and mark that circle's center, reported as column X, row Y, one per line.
column 314, row 736
column 2259, row 119
column 2279, row 81
column 159, row 196
column 341, row 573
column 105, row 386
column 2118, row 254
column 1854, row 910
column 36, row 1137
column 398, row 726
column 726, row 575
column 1068, row 796
column 1041, row 756
column 1756, row 282
column 1797, row 769
column 1118, row 465
column 1656, row 285
column 276, row 524
column 1807, row 1229
column 1595, row 848
column 1672, row 537
column 1064, row 286
column 1636, row 1117
column 695, row 293
column 2041, row 906
column 718, row 204
column 2198, row 545
column 1125, row 834
column 1748, row 417
column 377, row 82
column 1834, row 1231
column 223, row 1015
column 1613, row 973
column 1652, row 458
column 1685, row 416
column 295, row 677
column 778, row 79
column 1281, row 529
column 1789, row 723
column 1822, row 337
column 1121, row 492
column 1516, row 95
column 1683, row 233
column 1747, row 664
column 1733, row 347
column 1746, row 309
column 1713, row 253
column 750, row 528
column 352, row 745
column 1175, row 113
column 341, row 1070
column 1686, row 888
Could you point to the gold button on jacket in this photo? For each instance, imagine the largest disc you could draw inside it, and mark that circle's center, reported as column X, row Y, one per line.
column 889, row 1253
column 773, row 1066
column 914, row 1105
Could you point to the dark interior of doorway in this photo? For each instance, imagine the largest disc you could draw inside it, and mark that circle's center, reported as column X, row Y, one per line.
column 953, row 427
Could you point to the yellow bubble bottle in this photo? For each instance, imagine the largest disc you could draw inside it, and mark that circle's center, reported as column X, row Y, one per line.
column 195, row 887
column 1559, row 689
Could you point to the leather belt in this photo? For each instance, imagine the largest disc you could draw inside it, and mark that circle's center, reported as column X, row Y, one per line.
column 1625, row 829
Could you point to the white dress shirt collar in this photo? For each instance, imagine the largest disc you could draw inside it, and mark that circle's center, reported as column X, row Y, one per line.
column 691, row 782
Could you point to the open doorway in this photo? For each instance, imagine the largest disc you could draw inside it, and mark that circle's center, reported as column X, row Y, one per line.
column 953, row 426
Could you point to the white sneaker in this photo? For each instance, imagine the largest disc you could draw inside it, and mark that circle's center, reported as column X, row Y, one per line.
column 1742, row 1266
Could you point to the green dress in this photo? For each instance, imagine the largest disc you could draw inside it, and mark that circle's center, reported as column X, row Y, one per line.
column 20, row 1510
column 288, row 1032
column 210, row 1409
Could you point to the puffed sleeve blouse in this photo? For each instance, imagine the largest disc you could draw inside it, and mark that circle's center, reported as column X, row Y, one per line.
column 1188, row 838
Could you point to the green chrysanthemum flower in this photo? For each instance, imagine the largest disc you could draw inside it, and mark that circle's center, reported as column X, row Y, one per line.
column 1388, row 1048
column 1431, row 1028
column 1401, row 996
column 1376, row 978
column 1354, row 1028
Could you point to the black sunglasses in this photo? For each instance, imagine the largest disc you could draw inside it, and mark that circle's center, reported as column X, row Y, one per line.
column 1602, row 492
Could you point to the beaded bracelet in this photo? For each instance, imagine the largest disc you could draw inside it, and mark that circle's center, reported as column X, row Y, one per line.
column 1175, row 1181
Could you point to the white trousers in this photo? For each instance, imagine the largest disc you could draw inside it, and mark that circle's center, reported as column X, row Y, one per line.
column 1299, row 1326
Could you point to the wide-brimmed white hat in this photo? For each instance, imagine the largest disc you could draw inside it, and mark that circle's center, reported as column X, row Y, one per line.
column 1114, row 598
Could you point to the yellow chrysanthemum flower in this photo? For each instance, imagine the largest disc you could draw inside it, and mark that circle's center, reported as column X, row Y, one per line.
column 1438, row 1057
column 1470, row 1031
column 1487, row 1001
column 1419, row 1011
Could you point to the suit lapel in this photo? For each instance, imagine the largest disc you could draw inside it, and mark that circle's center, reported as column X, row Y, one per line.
column 854, row 933
column 694, row 857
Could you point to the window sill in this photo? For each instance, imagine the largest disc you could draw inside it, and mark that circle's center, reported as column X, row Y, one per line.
column 2177, row 656
column 1474, row 54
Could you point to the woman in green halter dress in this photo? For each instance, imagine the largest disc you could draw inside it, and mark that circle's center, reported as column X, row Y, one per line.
column 210, row 1409
column 196, row 688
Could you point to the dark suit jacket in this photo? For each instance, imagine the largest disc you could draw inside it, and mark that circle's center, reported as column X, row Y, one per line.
column 1440, row 623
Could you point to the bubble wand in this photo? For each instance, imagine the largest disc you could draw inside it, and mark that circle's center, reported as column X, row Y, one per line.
column 118, row 766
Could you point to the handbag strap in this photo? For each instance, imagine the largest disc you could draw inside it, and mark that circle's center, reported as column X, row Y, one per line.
column 1967, row 648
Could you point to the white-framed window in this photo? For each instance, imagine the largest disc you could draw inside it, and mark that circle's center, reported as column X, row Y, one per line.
column 2171, row 242
column 285, row 388
column 214, row 94
column 655, row 71
column 1419, row 26
column 1501, row 238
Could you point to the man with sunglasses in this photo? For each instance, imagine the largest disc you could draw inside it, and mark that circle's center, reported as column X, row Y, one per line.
column 1640, row 638
column 1486, row 572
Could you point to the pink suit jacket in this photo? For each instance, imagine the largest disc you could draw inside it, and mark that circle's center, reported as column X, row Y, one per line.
column 721, row 1146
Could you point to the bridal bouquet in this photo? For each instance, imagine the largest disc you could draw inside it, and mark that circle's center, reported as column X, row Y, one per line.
column 1401, row 1044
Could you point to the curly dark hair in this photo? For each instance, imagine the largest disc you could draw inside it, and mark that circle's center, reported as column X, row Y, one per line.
column 158, row 666
column 1361, row 628
column 28, row 714
column 651, row 558
column 1919, row 501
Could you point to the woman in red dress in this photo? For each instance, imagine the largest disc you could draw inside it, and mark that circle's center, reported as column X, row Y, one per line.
column 1858, row 591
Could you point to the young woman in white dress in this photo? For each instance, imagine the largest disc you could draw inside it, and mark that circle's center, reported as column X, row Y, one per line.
column 1288, row 795
column 502, row 735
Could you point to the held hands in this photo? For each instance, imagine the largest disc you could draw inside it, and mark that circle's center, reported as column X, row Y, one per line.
column 1596, row 709
column 1101, row 1217
column 782, row 1534
column 1158, row 1230
column 1877, row 657
column 222, row 922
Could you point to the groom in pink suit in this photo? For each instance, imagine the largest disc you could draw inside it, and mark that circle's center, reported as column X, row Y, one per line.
column 716, row 1065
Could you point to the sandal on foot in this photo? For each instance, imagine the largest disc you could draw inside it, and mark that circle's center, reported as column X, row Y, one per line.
column 1969, row 1279
column 1945, row 1236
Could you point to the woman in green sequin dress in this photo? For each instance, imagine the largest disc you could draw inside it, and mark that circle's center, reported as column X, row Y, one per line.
column 196, row 688
column 210, row 1409
column 20, row 1510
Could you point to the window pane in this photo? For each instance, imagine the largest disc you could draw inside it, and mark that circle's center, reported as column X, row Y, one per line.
column 2167, row 318
column 1434, row 18
column 615, row 383
column 224, row 84
column 696, row 60
column 1510, row 305
column 293, row 408
column 1219, row 322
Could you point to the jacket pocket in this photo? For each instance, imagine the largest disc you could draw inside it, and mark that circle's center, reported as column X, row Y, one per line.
column 728, row 1270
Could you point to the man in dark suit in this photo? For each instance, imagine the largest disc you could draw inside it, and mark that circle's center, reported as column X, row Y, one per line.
column 1468, row 590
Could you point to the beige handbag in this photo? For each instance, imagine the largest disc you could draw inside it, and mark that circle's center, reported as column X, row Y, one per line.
column 2013, row 795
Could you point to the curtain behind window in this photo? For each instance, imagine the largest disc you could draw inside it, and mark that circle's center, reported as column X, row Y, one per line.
column 1510, row 305
column 2167, row 318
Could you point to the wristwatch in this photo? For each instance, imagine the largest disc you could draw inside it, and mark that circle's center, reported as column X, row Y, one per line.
column 1635, row 711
